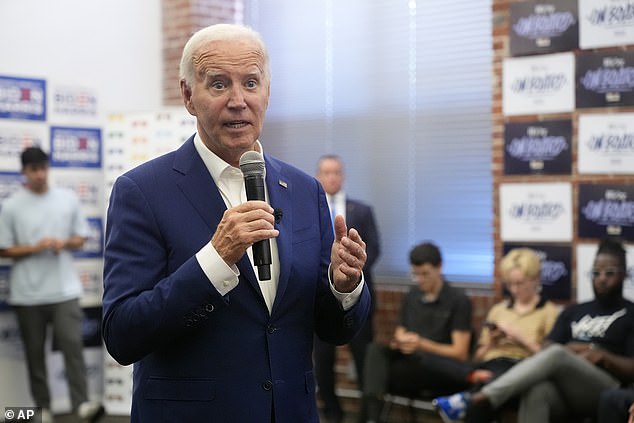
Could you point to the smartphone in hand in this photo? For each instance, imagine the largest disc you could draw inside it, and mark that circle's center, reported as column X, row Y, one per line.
column 490, row 325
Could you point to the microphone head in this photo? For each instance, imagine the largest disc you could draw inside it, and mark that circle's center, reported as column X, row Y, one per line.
column 252, row 163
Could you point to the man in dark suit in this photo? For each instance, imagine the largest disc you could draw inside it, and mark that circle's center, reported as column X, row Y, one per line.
column 211, row 342
column 358, row 215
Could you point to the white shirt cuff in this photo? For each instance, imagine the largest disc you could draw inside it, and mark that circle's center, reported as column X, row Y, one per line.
column 347, row 299
column 222, row 276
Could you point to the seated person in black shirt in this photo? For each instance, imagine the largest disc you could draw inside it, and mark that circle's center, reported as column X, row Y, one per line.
column 431, row 343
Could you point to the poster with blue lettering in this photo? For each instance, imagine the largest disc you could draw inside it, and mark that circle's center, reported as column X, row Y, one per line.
column 72, row 104
column 75, row 147
column 606, row 143
column 606, row 23
column 536, row 212
column 585, row 258
column 540, row 147
column 90, row 273
column 538, row 84
column 15, row 136
column 606, row 210
column 87, row 184
column 556, row 271
column 93, row 247
column 605, row 79
column 540, row 27
column 22, row 98
column 10, row 182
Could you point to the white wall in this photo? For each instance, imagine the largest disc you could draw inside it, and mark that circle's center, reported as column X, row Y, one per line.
column 112, row 46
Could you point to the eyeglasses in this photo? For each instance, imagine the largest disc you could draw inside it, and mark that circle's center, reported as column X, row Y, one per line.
column 610, row 272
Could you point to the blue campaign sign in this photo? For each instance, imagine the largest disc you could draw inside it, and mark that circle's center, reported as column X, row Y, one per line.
column 539, row 147
column 75, row 147
column 606, row 209
column 22, row 98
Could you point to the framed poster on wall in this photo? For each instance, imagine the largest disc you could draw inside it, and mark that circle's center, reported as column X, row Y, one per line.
column 536, row 212
column 606, row 210
column 605, row 23
column 540, row 27
column 540, row 147
column 606, row 143
column 605, row 79
column 538, row 84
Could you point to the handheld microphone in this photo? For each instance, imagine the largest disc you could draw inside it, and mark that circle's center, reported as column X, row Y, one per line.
column 252, row 166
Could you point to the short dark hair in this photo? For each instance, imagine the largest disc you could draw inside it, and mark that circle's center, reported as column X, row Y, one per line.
column 33, row 155
column 425, row 253
column 613, row 246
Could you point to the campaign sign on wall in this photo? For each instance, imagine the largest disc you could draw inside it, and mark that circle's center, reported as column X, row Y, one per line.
column 585, row 258
column 536, row 212
column 605, row 23
column 22, row 98
column 605, row 79
column 70, row 103
column 75, row 147
column 93, row 247
column 606, row 143
column 556, row 268
column 543, row 27
column 538, row 84
column 15, row 136
column 606, row 210
column 9, row 183
column 90, row 273
column 87, row 185
column 538, row 147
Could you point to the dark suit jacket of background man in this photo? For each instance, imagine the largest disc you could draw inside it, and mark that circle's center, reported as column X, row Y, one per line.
column 360, row 217
column 200, row 356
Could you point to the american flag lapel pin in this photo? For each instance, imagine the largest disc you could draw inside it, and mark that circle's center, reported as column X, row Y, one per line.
column 283, row 184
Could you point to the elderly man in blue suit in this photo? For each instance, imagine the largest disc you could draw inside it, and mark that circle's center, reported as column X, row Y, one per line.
column 211, row 342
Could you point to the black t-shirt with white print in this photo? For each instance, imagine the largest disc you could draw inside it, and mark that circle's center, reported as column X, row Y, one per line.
column 610, row 327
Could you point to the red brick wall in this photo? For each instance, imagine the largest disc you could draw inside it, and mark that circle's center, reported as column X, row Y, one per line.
column 181, row 18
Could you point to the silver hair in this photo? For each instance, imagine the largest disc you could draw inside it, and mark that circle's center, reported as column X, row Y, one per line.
column 218, row 32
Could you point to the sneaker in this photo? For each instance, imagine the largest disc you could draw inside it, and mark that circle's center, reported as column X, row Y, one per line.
column 47, row 416
column 452, row 408
column 90, row 411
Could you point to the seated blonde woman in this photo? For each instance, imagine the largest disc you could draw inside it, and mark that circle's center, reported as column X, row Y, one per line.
column 514, row 328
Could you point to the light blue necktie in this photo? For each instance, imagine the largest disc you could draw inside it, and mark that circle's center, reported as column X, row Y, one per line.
column 332, row 217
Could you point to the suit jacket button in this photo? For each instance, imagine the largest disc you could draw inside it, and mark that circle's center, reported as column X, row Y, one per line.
column 267, row 385
column 209, row 308
column 270, row 329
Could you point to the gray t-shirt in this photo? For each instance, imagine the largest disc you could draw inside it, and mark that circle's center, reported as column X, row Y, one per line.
column 25, row 218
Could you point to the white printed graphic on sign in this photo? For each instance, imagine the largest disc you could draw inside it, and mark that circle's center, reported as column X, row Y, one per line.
column 604, row 23
column 606, row 143
column 536, row 212
column 539, row 84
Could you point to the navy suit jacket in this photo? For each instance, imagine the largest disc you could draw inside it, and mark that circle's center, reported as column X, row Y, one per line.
column 199, row 356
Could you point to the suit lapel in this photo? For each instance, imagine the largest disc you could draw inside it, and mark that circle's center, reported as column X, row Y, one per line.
column 202, row 193
column 197, row 185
